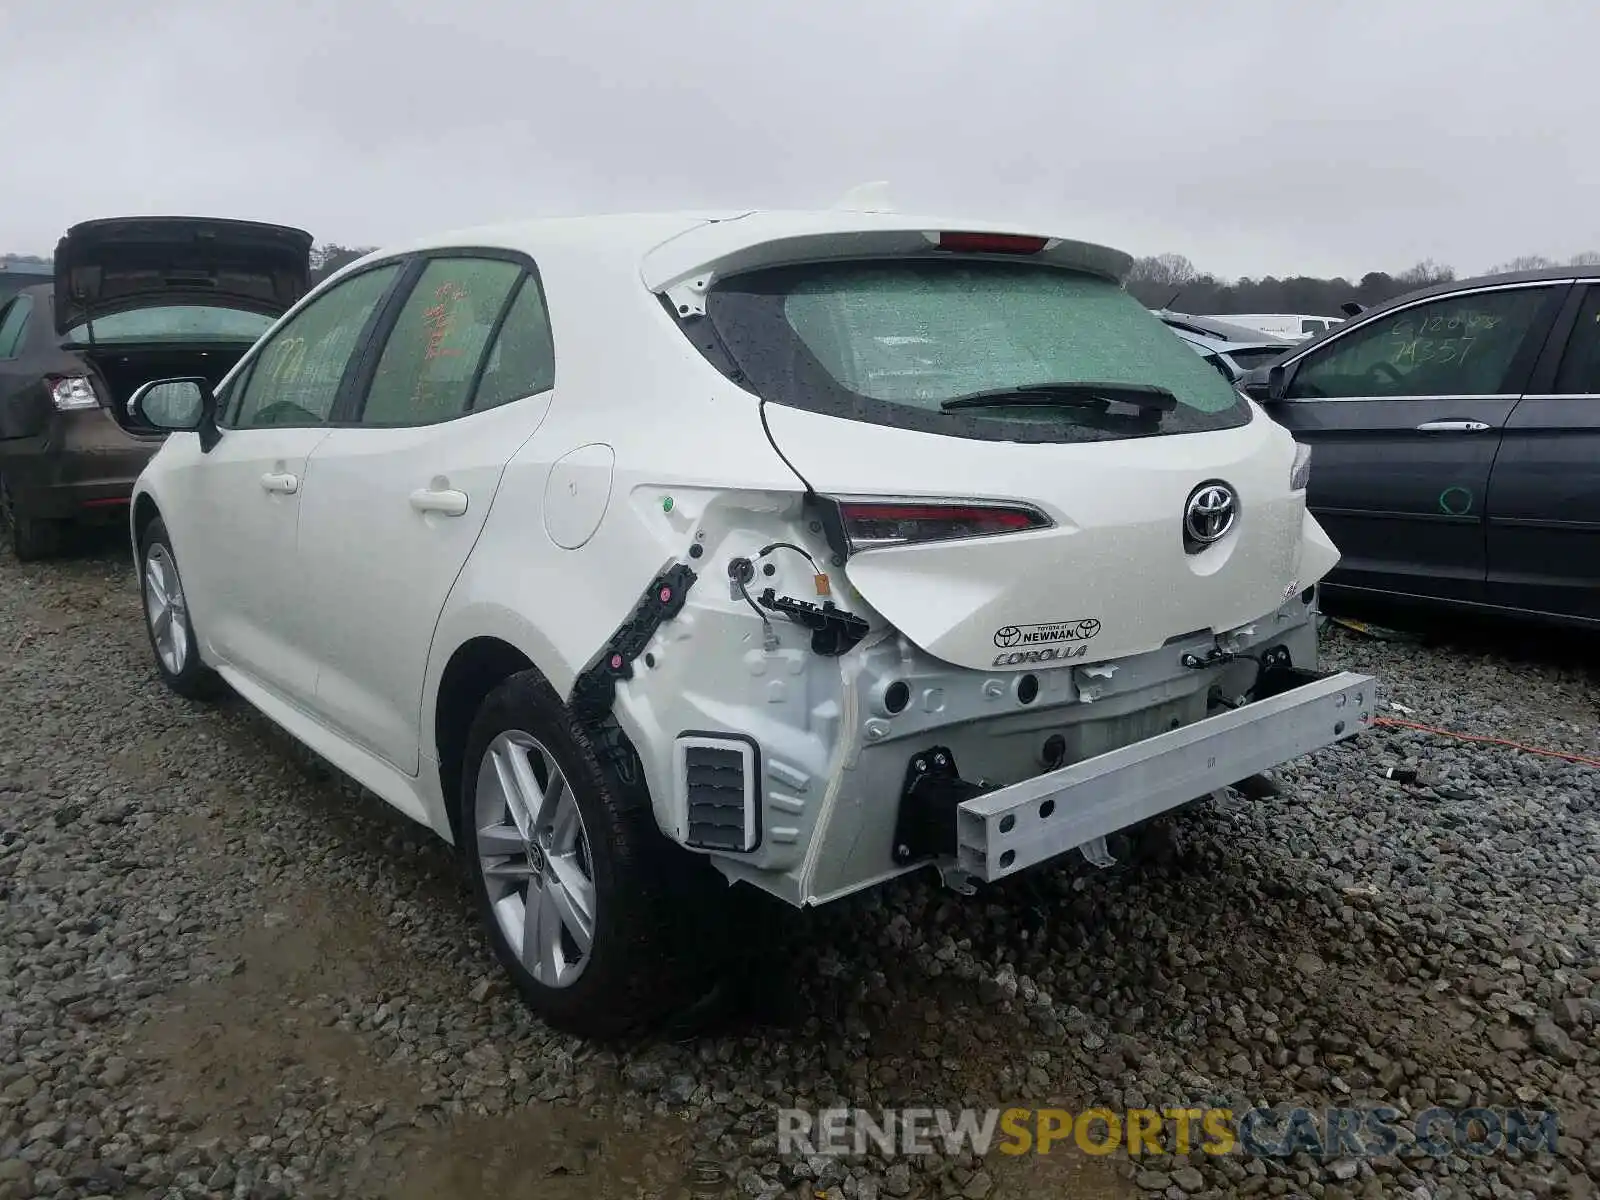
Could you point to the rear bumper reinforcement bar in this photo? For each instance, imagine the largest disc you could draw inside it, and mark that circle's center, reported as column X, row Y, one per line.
column 1002, row 832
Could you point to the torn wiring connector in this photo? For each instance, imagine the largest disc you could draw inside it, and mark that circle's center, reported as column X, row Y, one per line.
column 833, row 630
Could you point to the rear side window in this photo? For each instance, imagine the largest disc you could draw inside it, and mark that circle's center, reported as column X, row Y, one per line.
column 13, row 324
column 431, row 358
column 522, row 361
column 1580, row 364
column 891, row 342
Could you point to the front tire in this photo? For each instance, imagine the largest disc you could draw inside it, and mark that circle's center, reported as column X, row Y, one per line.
column 167, row 621
column 588, row 907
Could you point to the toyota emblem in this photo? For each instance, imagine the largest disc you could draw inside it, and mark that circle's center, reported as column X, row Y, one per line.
column 1210, row 514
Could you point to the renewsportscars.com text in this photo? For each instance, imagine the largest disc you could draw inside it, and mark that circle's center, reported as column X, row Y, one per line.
column 1262, row 1132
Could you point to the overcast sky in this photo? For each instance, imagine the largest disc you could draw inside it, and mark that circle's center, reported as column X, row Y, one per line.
column 1278, row 136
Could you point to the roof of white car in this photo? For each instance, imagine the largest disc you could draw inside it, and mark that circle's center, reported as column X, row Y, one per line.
column 637, row 231
column 680, row 242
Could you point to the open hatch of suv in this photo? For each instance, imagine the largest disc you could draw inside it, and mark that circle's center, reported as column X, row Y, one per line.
column 133, row 299
column 640, row 555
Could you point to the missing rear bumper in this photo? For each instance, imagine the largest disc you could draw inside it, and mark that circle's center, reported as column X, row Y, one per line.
column 994, row 832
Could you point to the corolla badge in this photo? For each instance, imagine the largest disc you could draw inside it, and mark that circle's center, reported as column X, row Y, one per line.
column 1212, row 511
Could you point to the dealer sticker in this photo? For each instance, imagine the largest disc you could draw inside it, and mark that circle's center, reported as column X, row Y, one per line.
column 1048, row 634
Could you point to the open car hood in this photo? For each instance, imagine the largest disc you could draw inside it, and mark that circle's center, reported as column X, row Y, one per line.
column 121, row 263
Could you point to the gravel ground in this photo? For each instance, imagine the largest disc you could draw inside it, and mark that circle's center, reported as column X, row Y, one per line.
column 225, row 972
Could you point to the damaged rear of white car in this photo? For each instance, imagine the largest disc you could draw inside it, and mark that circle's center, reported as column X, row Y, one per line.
column 835, row 546
column 939, row 550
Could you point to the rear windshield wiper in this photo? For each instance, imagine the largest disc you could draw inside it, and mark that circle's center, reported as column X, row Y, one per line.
column 1143, row 396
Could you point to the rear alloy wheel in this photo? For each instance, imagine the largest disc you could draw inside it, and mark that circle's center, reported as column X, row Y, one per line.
column 595, row 915
column 31, row 539
column 534, row 853
column 166, row 617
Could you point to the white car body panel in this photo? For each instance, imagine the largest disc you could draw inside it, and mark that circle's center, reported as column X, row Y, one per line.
column 378, row 484
column 579, row 497
column 239, row 577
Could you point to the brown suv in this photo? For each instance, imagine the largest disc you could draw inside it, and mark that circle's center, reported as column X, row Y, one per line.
column 134, row 299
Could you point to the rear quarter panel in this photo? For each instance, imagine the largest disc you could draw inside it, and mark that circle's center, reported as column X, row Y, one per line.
column 626, row 378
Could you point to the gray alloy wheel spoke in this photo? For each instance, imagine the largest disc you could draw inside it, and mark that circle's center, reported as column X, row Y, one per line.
column 551, row 797
column 509, row 804
column 542, row 952
column 573, row 896
column 523, row 793
column 503, row 842
column 566, row 827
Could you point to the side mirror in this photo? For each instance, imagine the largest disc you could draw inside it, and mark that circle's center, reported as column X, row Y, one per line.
column 1257, row 383
column 1277, row 382
column 182, row 405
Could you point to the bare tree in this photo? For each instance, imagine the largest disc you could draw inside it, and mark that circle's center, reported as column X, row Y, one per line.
column 1524, row 262
column 328, row 258
column 1166, row 270
column 1425, row 273
column 1587, row 258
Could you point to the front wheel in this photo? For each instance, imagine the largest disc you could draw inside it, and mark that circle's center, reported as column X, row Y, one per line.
column 589, row 908
column 166, row 618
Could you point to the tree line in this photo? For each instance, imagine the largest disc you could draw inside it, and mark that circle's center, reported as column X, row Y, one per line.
column 1172, row 281
column 330, row 256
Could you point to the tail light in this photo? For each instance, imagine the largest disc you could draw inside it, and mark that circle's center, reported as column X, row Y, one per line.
column 71, row 392
column 857, row 525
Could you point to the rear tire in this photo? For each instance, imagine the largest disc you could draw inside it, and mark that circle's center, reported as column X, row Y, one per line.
column 167, row 620
column 32, row 539
column 599, row 920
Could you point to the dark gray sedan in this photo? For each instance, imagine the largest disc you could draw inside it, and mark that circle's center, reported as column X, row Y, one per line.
column 1456, row 443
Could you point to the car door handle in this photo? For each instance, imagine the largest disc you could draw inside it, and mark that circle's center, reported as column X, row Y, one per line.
column 447, row 502
column 281, row 482
column 1452, row 427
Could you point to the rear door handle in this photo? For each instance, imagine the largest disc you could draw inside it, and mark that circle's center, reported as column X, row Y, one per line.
column 281, row 482
column 1453, row 427
column 446, row 502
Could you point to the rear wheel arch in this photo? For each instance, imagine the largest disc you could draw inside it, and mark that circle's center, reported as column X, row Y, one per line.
column 475, row 669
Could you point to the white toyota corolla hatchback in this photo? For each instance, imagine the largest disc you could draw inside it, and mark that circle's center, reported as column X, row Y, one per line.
column 790, row 550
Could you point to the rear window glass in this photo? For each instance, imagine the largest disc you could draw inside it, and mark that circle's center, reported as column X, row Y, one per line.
column 891, row 342
column 174, row 323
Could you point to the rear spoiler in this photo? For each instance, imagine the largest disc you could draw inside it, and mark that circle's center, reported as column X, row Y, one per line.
column 685, row 267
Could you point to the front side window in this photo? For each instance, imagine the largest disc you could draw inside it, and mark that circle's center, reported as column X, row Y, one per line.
column 1579, row 374
column 295, row 378
column 172, row 323
column 13, row 324
column 431, row 358
column 1454, row 346
column 896, row 342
